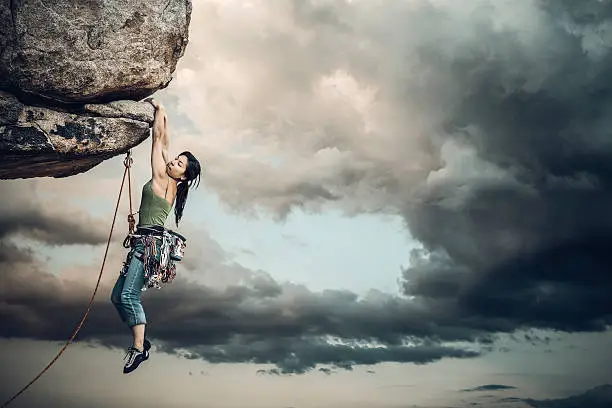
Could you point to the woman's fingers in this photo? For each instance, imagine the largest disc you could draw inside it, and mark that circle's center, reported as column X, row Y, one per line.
column 154, row 102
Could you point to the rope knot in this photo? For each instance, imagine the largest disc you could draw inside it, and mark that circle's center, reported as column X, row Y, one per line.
column 128, row 161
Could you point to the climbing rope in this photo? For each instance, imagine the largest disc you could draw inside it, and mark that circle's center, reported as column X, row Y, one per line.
column 131, row 221
column 127, row 163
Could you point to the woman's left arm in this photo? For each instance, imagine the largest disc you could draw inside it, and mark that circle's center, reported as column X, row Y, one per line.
column 161, row 142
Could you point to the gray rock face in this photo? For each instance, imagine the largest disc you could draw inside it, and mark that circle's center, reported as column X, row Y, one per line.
column 95, row 50
column 70, row 73
column 37, row 142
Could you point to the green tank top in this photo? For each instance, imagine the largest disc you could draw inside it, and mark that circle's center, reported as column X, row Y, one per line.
column 154, row 209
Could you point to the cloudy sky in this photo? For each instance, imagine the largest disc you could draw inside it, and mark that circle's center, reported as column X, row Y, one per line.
column 405, row 204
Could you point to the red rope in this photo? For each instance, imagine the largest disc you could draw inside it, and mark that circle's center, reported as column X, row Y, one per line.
column 127, row 162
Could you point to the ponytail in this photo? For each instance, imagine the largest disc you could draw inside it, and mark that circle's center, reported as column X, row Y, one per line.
column 192, row 174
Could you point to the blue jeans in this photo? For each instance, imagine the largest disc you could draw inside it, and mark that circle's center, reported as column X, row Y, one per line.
column 126, row 293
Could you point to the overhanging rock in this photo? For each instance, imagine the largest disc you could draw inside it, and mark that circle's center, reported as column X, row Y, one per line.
column 39, row 142
column 71, row 73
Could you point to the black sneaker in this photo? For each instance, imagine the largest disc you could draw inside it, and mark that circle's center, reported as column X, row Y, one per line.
column 135, row 357
column 147, row 346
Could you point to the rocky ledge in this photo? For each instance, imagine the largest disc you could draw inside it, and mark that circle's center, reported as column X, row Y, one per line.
column 38, row 142
column 71, row 76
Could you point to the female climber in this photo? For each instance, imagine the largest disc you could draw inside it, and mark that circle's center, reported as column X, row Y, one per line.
column 147, row 261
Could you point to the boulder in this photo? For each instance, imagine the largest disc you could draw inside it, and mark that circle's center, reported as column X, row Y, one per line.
column 66, row 51
column 38, row 141
column 71, row 73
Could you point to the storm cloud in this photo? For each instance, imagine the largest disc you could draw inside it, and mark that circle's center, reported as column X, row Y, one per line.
column 490, row 387
column 26, row 214
column 258, row 321
column 598, row 397
column 484, row 125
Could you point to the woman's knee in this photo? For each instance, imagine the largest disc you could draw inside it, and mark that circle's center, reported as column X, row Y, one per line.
column 129, row 297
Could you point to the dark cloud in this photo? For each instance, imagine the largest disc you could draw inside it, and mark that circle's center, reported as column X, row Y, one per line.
column 515, row 218
column 11, row 253
column 490, row 387
column 326, row 370
column 25, row 213
column 258, row 321
column 301, row 353
column 598, row 397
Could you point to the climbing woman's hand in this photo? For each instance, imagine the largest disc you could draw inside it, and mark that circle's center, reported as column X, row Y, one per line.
column 156, row 105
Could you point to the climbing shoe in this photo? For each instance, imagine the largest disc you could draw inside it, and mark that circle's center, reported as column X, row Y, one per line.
column 135, row 357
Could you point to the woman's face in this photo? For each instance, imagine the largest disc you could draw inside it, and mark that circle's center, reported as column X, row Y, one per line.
column 176, row 168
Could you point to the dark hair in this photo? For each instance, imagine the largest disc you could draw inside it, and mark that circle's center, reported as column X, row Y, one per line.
column 192, row 172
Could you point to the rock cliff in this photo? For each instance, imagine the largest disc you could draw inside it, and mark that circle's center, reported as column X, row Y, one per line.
column 71, row 76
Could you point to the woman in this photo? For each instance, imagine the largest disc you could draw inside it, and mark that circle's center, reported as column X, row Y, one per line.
column 169, row 185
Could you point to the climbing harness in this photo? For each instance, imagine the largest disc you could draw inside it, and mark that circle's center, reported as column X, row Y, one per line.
column 127, row 163
column 159, row 249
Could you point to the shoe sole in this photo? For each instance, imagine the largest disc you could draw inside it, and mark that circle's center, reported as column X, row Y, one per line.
column 136, row 365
